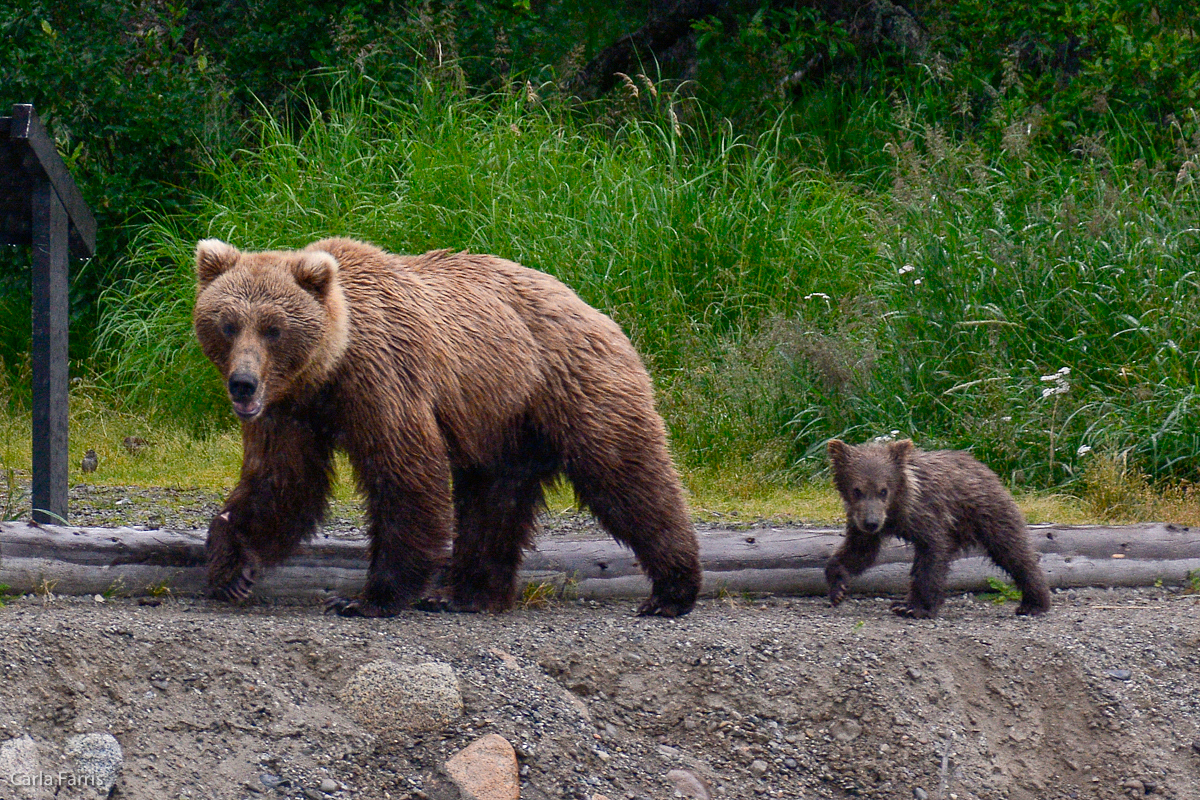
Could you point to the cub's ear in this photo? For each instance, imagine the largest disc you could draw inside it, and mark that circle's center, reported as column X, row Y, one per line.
column 839, row 453
column 213, row 259
column 315, row 271
column 900, row 450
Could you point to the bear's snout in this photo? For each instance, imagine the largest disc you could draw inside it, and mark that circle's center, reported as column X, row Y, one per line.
column 870, row 519
column 243, row 392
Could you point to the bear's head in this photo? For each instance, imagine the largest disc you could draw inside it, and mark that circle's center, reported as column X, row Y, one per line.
column 872, row 480
column 273, row 323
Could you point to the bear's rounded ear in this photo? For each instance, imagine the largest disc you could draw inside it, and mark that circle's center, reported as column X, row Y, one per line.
column 315, row 271
column 839, row 452
column 900, row 450
column 213, row 258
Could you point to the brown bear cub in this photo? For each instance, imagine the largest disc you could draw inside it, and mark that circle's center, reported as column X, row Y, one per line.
column 943, row 502
column 458, row 385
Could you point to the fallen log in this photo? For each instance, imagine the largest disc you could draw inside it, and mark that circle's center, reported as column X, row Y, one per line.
column 778, row 560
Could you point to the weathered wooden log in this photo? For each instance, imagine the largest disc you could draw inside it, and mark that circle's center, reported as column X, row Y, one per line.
column 779, row 560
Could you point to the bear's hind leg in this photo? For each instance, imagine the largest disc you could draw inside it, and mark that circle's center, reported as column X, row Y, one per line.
column 642, row 507
column 1008, row 545
column 496, row 513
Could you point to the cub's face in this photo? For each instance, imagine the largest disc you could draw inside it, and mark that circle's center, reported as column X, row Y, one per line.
column 267, row 320
column 870, row 479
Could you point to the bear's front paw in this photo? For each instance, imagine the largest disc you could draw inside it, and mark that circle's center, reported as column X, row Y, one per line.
column 911, row 611
column 837, row 593
column 360, row 607
column 238, row 589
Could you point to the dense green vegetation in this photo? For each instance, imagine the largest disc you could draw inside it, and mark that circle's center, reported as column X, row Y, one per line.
column 992, row 246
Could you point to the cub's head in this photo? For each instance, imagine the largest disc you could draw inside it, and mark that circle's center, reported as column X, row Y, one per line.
column 871, row 479
column 271, row 322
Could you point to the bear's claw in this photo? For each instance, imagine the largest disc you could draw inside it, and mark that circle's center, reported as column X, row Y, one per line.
column 358, row 607
column 655, row 607
column 911, row 611
column 238, row 589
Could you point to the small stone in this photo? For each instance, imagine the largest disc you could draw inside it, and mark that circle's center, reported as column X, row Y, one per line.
column 1196, row 746
column 1133, row 785
column 98, row 759
column 688, row 784
column 845, row 730
column 915, row 673
column 1150, row 786
column 99, row 598
column 790, row 763
column 392, row 700
column 313, row 794
column 270, row 781
column 920, row 794
column 329, row 786
column 1119, row 674
column 486, row 769
column 758, row 768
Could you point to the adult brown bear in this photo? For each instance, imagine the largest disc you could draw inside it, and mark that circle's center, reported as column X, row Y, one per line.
column 458, row 385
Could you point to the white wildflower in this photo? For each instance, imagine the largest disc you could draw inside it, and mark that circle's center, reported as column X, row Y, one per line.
column 1083, row 450
column 907, row 268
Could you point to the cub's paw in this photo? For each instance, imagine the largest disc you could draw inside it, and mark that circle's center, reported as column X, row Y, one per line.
column 236, row 590
column 1032, row 609
column 837, row 593
column 654, row 606
column 360, row 607
column 912, row 612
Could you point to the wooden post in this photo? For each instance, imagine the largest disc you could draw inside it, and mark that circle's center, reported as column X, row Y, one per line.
column 50, row 363
column 40, row 206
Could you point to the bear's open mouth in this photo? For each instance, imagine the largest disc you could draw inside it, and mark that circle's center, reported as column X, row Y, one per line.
column 248, row 409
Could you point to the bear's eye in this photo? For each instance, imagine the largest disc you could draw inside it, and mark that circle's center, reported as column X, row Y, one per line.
column 271, row 332
column 229, row 330
column 858, row 493
column 883, row 493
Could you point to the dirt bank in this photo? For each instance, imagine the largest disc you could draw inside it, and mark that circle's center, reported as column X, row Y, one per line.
column 206, row 700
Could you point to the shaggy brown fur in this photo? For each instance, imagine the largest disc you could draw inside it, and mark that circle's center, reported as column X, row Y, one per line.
column 432, row 371
column 943, row 502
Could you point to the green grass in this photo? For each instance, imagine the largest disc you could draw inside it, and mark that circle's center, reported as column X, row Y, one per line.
column 776, row 305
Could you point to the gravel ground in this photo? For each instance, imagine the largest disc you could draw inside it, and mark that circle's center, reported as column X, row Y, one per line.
column 756, row 697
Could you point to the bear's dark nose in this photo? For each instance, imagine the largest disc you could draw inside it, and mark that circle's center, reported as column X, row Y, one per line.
column 242, row 387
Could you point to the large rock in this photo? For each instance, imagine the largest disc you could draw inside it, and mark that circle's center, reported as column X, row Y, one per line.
column 486, row 769
column 97, row 758
column 392, row 699
column 19, row 769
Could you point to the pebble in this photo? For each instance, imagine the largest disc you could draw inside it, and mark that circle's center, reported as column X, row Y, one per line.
column 98, row 759
column 915, row 673
column 845, row 730
column 1134, row 785
column 329, row 786
column 1119, row 674
column 688, row 784
column 920, row 794
column 393, row 700
column 270, row 781
column 758, row 768
column 486, row 769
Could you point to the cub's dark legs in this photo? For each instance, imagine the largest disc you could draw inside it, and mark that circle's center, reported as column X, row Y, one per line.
column 1008, row 545
column 855, row 556
column 926, row 591
column 279, row 500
